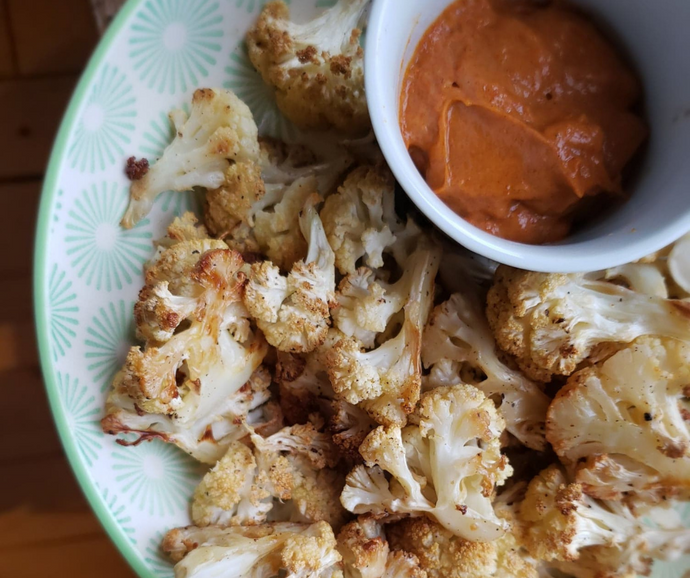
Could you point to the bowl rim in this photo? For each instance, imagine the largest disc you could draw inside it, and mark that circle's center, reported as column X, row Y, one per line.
column 556, row 258
column 49, row 191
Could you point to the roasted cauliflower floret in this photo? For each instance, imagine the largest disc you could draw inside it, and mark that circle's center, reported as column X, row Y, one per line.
column 559, row 519
column 290, row 465
column 366, row 554
column 633, row 408
column 294, row 311
column 360, row 218
column 315, row 68
column 458, row 335
column 551, row 322
column 386, row 380
column 445, row 467
column 443, row 555
column 190, row 390
column 257, row 208
column 285, row 549
column 219, row 131
column 590, row 538
column 367, row 304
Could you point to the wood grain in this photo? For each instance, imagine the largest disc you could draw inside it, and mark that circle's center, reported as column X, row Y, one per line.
column 46, row 526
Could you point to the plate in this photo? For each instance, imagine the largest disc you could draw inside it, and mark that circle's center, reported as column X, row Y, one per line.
column 88, row 269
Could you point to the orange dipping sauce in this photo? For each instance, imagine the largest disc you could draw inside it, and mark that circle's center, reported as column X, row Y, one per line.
column 516, row 112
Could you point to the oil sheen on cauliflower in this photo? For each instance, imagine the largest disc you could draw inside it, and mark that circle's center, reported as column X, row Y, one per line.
column 386, row 380
column 457, row 342
column 589, row 538
column 198, row 372
column 294, row 311
column 551, row 322
column 632, row 410
column 315, row 68
column 219, row 131
column 446, row 467
column 444, row 555
column 293, row 465
column 360, row 218
column 280, row 549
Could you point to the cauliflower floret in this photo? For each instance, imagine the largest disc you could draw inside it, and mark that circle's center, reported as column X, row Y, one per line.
column 641, row 277
column 551, row 322
column 219, row 131
column 459, row 336
column 366, row 554
column 257, row 207
column 588, row 538
column 367, row 304
column 303, row 386
column 190, row 390
column 559, row 519
column 363, row 546
column 446, row 467
column 316, row 68
column 634, row 409
column 443, row 555
column 290, row 550
column 386, row 381
column 289, row 465
column 305, row 390
column 294, row 311
column 360, row 218
column 350, row 426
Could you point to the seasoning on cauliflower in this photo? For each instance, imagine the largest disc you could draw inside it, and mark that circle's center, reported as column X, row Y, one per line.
column 443, row 555
column 634, row 409
column 551, row 322
column 281, row 549
column 366, row 554
column 386, row 381
column 289, row 465
column 219, row 131
column 360, row 218
column 294, row 311
column 315, row 68
column 585, row 537
column 446, row 467
column 192, row 388
column 349, row 426
column 458, row 335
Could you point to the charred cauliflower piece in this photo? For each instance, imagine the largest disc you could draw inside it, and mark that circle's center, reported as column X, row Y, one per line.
column 551, row 322
column 281, row 549
column 633, row 410
column 315, row 68
column 443, row 555
column 588, row 538
column 294, row 311
column 192, row 381
column 219, row 131
column 386, row 381
column 446, row 467
column 290, row 465
column 360, row 218
column 459, row 339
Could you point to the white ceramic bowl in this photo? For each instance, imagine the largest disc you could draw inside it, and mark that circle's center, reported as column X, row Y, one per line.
column 655, row 34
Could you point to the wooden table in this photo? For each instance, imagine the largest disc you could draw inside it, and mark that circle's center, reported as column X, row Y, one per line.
column 46, row 526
